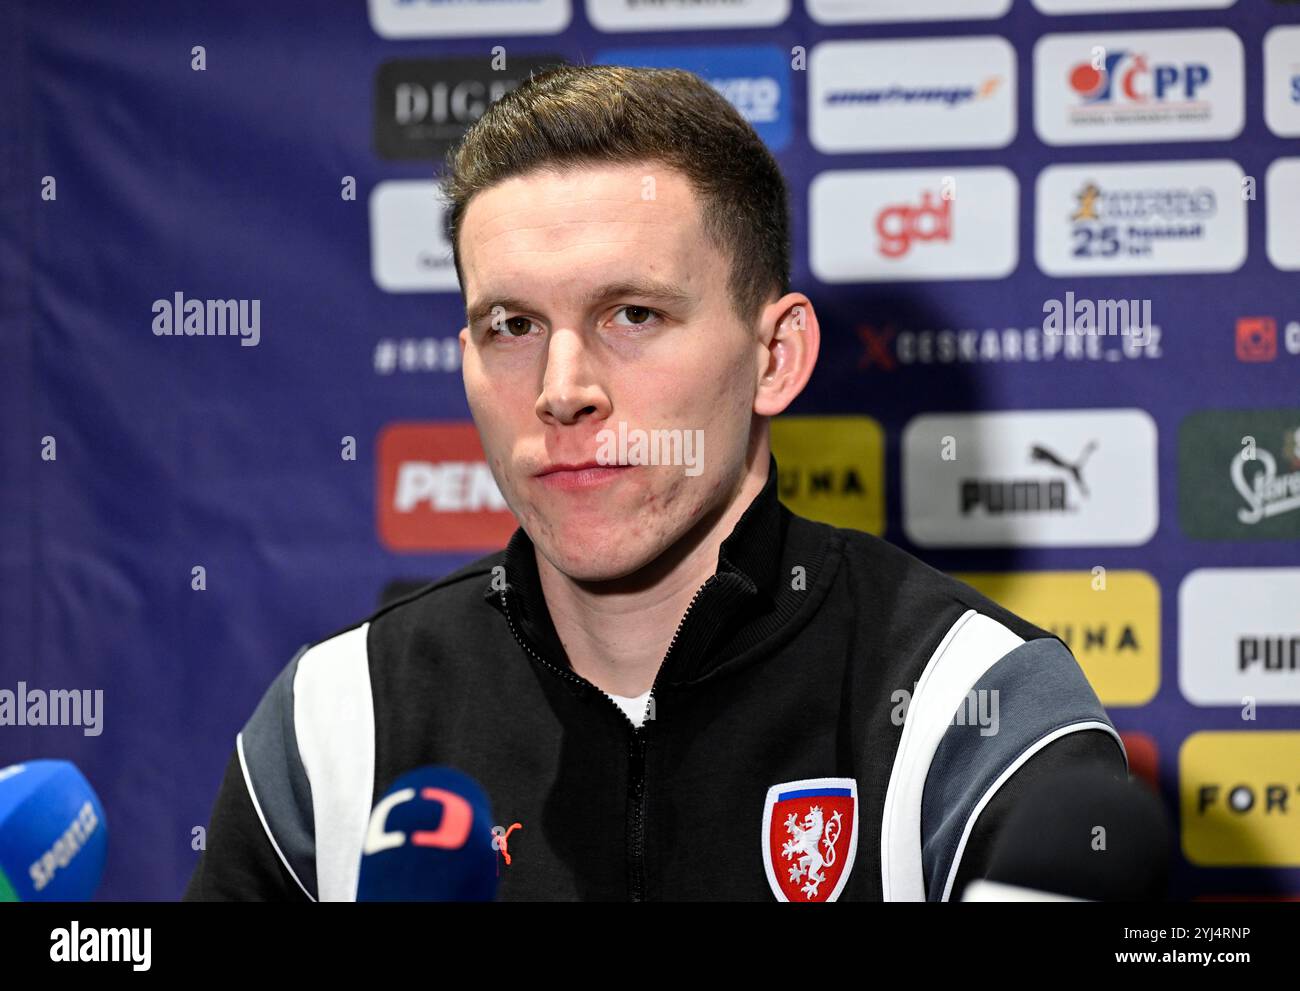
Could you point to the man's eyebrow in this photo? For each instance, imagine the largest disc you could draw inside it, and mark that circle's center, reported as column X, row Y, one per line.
column 664, row 293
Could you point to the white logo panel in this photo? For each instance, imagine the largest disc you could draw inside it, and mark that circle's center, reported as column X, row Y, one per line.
column 882, row 11
column 912, row 94
column 1239, row 636
column 1125, row 6
column 467, row 18
column 1037, row 478
column 1282, row 81
column 685, row 15
column 408, row 251
column 904, row 224
column 1282, row 193
column 1138, row 87
column 1140, row 218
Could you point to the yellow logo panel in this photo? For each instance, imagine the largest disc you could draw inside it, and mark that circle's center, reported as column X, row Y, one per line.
column 1240, row 798
column 1110, row 620
column 832, row 469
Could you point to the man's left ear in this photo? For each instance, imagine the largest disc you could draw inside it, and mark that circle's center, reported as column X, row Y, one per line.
column 790, row 353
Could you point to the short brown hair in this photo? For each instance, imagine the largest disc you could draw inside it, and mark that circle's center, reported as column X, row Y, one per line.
column 570, row 116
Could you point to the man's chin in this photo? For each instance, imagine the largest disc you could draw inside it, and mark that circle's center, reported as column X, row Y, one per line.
column 590, row 561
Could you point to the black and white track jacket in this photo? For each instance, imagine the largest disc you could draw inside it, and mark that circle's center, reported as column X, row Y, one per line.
column 815, row 660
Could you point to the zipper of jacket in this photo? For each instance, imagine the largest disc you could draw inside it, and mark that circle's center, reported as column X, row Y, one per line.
column 636, row 777
column 637, row 746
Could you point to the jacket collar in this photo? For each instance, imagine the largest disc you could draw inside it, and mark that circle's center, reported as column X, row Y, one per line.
column 743, row 603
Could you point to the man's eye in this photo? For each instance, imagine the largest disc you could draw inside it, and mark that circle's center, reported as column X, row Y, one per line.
column 509, row 327
column 638, row 315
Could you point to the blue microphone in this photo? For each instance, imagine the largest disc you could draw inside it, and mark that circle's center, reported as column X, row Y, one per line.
column 429, row 840
column 53, row 838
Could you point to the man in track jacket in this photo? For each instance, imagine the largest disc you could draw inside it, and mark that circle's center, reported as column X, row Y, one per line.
column 679, row 689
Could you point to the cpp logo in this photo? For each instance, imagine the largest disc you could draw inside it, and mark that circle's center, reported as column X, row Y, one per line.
column 1139, row 86
column 1131, row 78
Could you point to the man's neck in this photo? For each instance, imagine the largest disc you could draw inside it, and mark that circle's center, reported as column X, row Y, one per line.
column 617, row 633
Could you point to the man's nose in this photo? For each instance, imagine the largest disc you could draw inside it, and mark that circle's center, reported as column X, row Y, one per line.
column 571, row 382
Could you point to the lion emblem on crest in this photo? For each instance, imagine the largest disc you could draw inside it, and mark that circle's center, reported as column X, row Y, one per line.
column 806, row 843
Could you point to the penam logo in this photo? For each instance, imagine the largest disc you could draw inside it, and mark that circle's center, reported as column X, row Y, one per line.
column 436, row 492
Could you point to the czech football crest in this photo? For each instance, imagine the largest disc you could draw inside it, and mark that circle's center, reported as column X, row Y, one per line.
column 810, row 834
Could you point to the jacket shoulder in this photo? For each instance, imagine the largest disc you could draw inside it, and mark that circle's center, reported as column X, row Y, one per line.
column 986, row 691
column 916, row 590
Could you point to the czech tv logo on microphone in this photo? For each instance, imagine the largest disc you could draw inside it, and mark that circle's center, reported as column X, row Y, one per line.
column 430, row 838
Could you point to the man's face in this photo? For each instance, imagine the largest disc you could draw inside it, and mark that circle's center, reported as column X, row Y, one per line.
column 551, row 358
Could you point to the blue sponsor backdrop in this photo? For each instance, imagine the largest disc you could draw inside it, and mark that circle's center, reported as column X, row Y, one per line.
column 177, row 452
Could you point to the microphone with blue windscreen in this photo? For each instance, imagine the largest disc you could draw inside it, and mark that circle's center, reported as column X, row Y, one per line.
column 53, row 838
column 429, row 839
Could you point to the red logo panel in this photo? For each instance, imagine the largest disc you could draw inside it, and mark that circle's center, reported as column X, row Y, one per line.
column 435, row 491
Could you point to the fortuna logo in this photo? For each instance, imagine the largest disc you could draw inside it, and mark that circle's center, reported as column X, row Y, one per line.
column 1268, row 494
column 815, row 823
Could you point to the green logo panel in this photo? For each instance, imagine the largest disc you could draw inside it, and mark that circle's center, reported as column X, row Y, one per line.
column 1239, row 474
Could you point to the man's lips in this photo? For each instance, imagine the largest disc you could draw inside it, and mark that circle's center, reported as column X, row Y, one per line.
column 583, row 475
column 574, row 466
